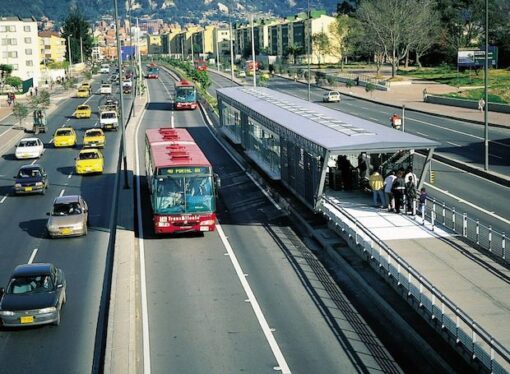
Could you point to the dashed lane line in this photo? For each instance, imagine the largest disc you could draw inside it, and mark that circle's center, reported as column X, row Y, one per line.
column 32, row 256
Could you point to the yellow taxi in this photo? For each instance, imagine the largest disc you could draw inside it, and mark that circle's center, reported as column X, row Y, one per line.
column 86, row 85
column 64, row 137
column 89, row 161
column 83, row 111
column 83, row 92
column 94, row 138
column 265, row 75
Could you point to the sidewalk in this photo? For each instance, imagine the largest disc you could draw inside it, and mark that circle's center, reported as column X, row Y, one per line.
column 475, row 283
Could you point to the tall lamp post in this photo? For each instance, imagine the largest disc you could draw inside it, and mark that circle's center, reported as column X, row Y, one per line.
column 486, row 84
column 231, row 52
column 121, row 114
column 309, row 53
column 253, row 54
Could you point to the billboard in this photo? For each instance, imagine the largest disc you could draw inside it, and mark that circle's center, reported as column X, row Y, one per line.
column 467, row 58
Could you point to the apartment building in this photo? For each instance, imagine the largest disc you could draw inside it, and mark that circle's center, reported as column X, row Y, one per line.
column 221, row 40
column 19, row 47
column 52, row 47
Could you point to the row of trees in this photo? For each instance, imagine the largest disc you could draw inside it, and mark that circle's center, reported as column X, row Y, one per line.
column 397, row 30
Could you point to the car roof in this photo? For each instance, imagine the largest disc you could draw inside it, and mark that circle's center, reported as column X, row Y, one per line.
column 29, row 139
column 65, row 128
column 89, row 150
column 31, row 166
column 32, row 269
column 90, row 130
column 83, row 106
column 67, row 199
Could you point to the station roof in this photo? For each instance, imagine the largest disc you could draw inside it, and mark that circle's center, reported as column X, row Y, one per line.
column 331, row 129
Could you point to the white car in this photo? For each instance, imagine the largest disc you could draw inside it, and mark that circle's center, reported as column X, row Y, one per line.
column 108, row 120
column 241, row 74
column 29, row 148
column 331, row 97
column 106, row 89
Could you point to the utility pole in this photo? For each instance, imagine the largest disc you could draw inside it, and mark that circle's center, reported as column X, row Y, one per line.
column 309, row 53
column 121, row 114
column 486, row 87
column 70, row 58
column 81, row 49
column 231, row 53
column 217, row 51
column 253, row 54
column 192, row 57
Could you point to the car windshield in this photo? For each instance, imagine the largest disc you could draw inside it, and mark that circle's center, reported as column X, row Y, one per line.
column 184, row 195
column 93, row 133
column 29, row 173
column 83, row 107
column 66, row 209
column 30, row 284
column 27, row 143
column 88, row 156
column 105, row 86
column 83, row 90
column 64, row 133
column 108, row 115
column 185, row 94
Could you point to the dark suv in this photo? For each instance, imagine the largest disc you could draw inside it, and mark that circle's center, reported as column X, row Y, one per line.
column 31, row 179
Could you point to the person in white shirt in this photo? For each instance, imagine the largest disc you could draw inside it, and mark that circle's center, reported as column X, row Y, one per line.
column 409, row 173
column 388, row 184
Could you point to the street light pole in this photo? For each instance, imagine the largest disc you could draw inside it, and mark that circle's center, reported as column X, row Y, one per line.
column 309, row 53
column 486, row 84
column 121, row 114
column 253, row 54
column 81, row 49
column 231, row 53
column 70, row 57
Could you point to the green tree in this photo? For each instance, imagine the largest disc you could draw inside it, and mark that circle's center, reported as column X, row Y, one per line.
column 294, row 50
column 41, row 101
column 13, row 81
column 339, row 31
column 76, row 28
column 20, row 112
column 5, row 70
column 369, row 88
column 321, row 45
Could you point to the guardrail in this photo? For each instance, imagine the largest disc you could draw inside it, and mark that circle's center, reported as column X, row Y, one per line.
column 442, row 313
column 477, row 233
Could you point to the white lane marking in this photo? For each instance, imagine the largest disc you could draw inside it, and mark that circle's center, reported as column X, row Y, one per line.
column 143, row 281
column 3, row 199
column 34, row 252
column 490, row 154
column 477, row 207
column 282, row 363
column 422, row 134
column 62, row 192
column 454, row 144
column 95, row 124
column 33, row 162
column 70, row 175
column 172, row 120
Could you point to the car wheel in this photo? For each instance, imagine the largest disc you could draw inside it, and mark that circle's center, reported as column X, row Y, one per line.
column 85, row 229
column 57, row 322
column 64, row 299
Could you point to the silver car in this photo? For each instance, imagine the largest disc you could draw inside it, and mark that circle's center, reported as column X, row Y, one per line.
column 68, row 217
column 331, row 97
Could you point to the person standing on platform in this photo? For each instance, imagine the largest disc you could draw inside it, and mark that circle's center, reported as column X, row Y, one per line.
column 388, row 185
column 398, row 190
column 410, row 190
column 376, row 184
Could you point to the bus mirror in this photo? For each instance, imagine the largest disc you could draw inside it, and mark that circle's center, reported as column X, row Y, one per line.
column 217, row 181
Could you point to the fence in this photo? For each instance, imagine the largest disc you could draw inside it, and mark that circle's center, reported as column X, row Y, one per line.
column 441, row 312
column 474, row 231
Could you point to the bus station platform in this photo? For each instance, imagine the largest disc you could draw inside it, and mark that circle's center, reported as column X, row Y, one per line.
column 475, row 283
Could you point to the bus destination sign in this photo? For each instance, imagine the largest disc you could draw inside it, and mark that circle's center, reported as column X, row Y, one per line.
column 184, row 170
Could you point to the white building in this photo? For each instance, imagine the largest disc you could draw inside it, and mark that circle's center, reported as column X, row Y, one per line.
column 19, row 47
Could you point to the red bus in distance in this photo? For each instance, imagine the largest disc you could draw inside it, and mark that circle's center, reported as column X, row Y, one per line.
column 185, row 95
column 182, row 185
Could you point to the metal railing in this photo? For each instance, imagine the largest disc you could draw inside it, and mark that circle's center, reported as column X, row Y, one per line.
column 477, row 233
column 441, row 311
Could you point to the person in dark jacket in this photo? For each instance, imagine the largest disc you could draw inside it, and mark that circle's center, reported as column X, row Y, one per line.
column 398, row 190
column 410, row 190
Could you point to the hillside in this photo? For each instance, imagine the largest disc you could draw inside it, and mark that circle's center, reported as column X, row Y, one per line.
column 180, row 11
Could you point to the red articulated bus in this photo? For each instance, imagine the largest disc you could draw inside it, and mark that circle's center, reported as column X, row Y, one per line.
column 185, row 95
column 182, row 185
column 152, row 71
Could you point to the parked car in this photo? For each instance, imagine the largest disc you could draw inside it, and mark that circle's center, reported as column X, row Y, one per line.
column 89, row 161
column 331, row 96
column 31, row 179
column 35, row 295
column 94, row 138
column 64, row 137
column 105, row 89
column 68, row 217
column 29, row 148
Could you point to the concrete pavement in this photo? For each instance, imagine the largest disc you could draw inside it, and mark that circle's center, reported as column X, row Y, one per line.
column 474, row 282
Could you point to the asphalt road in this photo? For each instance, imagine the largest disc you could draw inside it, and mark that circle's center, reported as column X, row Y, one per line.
column 69, row 347
column 199, row 319
column 478, row 197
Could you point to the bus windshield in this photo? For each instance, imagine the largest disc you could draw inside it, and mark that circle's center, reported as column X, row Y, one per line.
column 192, row 194
column 185, row 94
